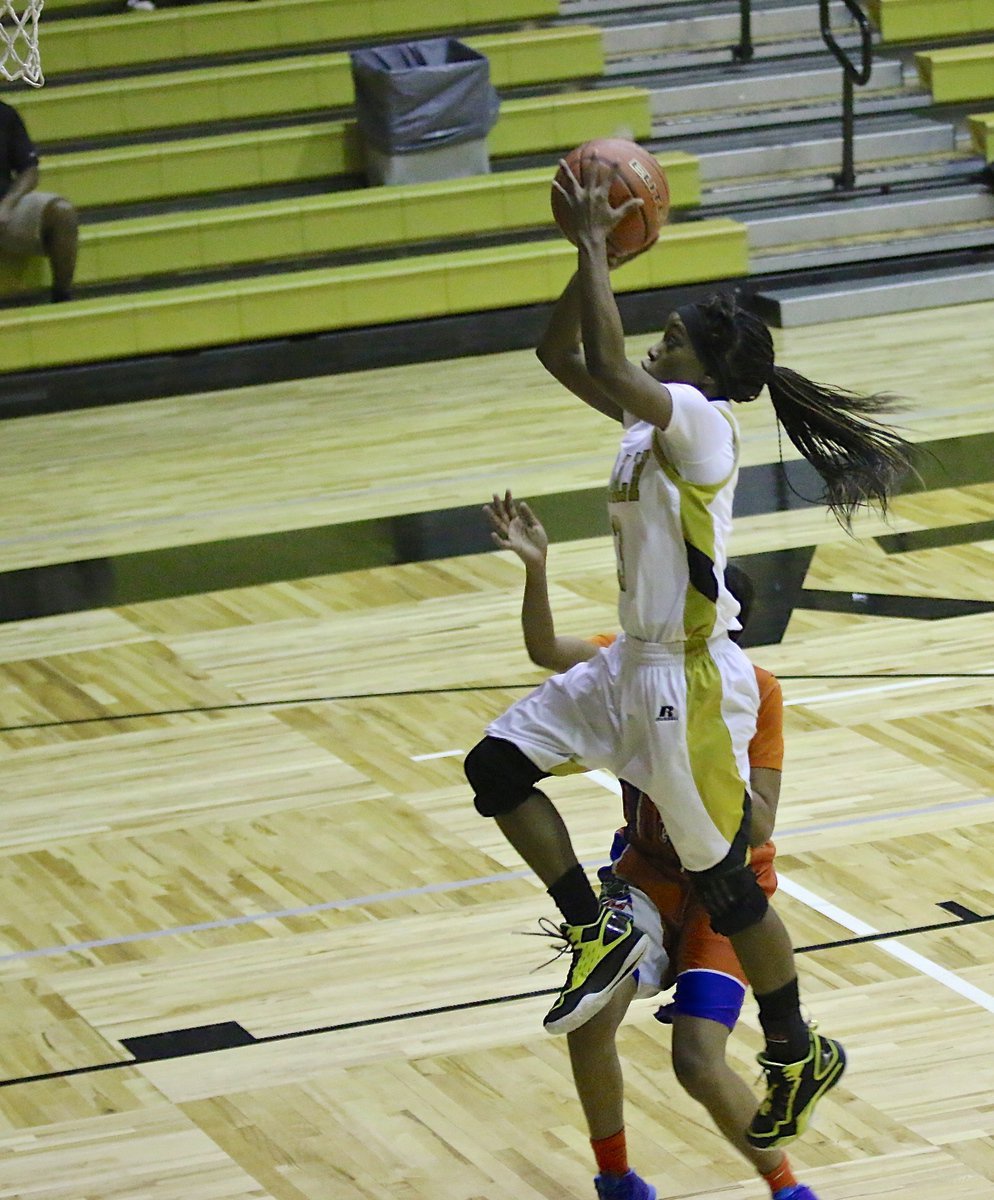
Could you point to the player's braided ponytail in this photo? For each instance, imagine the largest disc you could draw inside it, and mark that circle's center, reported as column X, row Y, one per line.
column 860, row 460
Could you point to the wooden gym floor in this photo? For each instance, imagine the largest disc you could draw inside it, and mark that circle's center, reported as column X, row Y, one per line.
column 255, row 941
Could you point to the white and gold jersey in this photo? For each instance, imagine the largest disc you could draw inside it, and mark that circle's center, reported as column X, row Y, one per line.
column 670, row 504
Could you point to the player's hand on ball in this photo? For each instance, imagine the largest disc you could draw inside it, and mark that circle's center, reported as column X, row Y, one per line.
column 589, row 197
column 627, row 172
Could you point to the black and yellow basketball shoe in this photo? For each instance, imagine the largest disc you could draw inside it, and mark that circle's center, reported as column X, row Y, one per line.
column 603, row 954
column 793, row 1090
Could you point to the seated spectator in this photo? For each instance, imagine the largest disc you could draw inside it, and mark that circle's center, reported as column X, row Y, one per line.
column 33, row 222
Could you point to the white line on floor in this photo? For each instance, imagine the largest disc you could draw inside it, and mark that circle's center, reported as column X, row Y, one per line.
column 604, row 778
column 897, row 686
column 894, row 948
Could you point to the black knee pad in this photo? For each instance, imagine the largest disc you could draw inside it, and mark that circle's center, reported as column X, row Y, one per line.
column 732, row 896
column 501, row 776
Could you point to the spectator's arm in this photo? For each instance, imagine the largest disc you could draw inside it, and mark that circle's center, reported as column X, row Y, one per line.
column 24, row 181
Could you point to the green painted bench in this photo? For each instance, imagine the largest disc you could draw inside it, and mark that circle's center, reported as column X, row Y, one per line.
column 982, row 134
column 297, row 154
column 924, row 20
column 207, row 30
column 380, row 293
column 287, row 86
column 170, row 243
column 958, row 73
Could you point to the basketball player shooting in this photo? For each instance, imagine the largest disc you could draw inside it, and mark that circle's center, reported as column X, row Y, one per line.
column 672, row 705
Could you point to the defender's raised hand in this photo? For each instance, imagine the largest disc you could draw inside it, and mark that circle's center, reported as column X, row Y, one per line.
column 515, row 527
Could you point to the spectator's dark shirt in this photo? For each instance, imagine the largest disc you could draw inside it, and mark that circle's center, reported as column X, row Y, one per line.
column 17, row 151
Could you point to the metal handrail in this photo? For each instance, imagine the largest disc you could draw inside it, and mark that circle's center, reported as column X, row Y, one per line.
column 743, row 52
column 851, row 75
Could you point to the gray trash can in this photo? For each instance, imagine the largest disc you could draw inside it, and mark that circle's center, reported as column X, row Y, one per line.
column 424, row 110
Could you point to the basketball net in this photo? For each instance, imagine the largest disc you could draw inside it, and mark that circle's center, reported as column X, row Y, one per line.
column 19, row 57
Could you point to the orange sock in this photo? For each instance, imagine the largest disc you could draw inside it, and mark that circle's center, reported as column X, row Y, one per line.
column 781, row 1177
column 611, row 1153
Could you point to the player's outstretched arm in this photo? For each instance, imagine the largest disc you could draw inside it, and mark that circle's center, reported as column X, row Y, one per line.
column 560, row 352
column 626, row 384
column 515, row 527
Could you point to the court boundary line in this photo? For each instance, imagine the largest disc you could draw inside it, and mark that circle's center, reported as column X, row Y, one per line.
column 919, row 962
column 866, row 932
column 603, row 778
column 237, row 706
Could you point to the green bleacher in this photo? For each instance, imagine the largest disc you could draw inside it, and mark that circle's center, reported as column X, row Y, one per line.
column 304, row 227
column 286, row 87
column 377, row 293
column 982, row 134
column 217, row 30
column 956, row 74
column 70, row 8
column 928, row 20
column 359, row 18
column 273, row 263
column 135, row 174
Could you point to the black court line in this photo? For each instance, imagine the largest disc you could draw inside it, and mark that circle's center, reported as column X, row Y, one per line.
column 971, row 919
column 227, row 1035
column 882, row 604
column 214, row 1037
column 967, row 915
column 931, row 539
column 258, row 559
column 238, row 706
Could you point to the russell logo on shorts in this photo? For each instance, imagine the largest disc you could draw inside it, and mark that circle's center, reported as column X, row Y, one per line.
column 667, row 713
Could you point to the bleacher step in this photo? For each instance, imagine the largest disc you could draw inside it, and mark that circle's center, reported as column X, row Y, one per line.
column 587, row 9
column 850, row 231
column 794, row 306
column 844, row 253
column 732, row 197
column 771, row 164
column 755, row 89
column 693, row 38
column 871, row 215
column 815, row 147
column 657, row 61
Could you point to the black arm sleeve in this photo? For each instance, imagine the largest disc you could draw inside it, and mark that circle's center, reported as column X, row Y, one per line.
column 21, row 152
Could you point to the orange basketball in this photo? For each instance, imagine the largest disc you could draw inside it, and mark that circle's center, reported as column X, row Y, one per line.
column 638, row 175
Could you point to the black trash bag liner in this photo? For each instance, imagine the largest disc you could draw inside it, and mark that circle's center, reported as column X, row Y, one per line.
column 417, row 95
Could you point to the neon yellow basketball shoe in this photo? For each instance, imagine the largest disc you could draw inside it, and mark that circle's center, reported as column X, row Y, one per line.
column 603, row 954
column 793, row 1090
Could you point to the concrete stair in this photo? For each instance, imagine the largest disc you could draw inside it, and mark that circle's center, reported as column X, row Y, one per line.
column 768, row 137
column 762, row 95
column 702, row 35
column 869, row 228
column 744, row 168
column 907, row 291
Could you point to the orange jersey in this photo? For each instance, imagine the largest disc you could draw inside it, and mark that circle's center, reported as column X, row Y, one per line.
column 689, row 940
column 650, row 863
column 766, row 747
